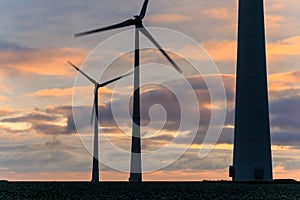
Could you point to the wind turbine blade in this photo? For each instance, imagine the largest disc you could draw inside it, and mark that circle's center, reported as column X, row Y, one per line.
column 149, row 36
column 93, row 108
column 84, row 74
column 93, row 112
column 113, row 80
column 115, row 26
column 144, row 9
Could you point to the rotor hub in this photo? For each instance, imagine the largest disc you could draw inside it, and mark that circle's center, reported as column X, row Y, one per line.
column 138, row 20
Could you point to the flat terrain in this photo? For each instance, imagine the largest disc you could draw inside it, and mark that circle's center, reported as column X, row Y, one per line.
column 148, row 190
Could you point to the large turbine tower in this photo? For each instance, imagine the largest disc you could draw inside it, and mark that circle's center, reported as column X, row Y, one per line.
column 252, row 147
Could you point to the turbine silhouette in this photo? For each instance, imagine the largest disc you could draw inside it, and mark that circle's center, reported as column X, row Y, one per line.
column 95, row 169
column 252, row 158
column 135, row 167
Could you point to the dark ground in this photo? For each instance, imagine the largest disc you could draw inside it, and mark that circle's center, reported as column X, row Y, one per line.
column 148, row 190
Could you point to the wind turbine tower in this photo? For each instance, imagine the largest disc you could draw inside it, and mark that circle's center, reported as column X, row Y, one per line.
column 95, row 118
column 137, row 21
column 252, row 147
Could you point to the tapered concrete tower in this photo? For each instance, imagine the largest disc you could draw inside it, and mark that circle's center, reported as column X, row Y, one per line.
column 252, row 147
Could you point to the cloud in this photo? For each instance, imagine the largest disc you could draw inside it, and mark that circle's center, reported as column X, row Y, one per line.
column 11, row 46
column 286, row 47
column 64, row 92
column 40, row 61
column 285, row 112
column 167, row 18
column 43, row 158
column 221, row 50
column 216, row 160
column 156, row 142
column 274, row 21
column 225, row 50
column 3, row 99
column 42, row 42
column 5, row 110
column 220, row 13
column 43, row 122
column 53, row 143
column 285, row 138
column 284, row 85
column 55, row 92
column 158, row 131
column 60, row 120
column 50, row 129
column 275, row 5
column 32, row 118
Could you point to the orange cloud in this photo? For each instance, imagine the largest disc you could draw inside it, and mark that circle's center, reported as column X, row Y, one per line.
column 290, row 77
column 286, row 47
column 281, row 82
column 167, row 18
column 42, row 61
column 220, row 13
column 4, row 110
column 192, row 52
column 63, row 92
column 3, row 99
column 280, row 173
column 224, row 50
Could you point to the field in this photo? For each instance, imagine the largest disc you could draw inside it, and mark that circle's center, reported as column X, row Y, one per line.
column 148, row 190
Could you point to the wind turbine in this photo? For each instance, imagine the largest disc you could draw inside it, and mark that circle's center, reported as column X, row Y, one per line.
column 135, row 167
column 95, row 170
column 252, row 156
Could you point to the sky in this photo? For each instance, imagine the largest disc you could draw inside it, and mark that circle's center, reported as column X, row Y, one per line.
column 41, row 95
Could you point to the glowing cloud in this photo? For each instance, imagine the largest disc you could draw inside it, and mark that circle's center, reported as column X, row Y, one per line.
column 42, row 61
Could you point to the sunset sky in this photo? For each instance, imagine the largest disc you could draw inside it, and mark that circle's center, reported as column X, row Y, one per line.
column 38, row 138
